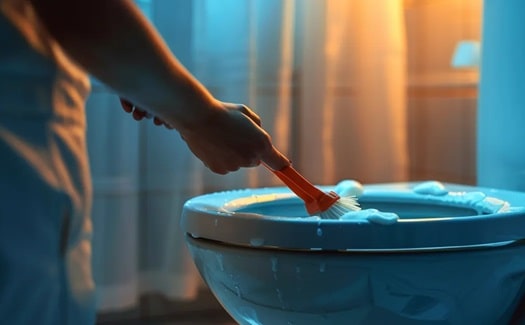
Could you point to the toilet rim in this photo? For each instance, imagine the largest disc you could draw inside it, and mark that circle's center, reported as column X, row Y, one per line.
column 216, row 217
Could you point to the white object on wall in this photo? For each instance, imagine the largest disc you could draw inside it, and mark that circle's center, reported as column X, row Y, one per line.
column 466, row 54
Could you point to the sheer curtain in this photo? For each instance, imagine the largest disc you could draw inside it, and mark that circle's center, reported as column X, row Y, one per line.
column 326, row 77
column 244, row 53
column 352, row 114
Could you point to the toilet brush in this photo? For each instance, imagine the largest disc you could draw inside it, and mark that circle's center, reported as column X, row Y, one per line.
column 328, row 205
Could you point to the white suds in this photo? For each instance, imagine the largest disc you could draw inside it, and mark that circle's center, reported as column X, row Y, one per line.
column 479, row 201
column 431, row 188
column 430, row 192
column 351, row 188
column 372, row 215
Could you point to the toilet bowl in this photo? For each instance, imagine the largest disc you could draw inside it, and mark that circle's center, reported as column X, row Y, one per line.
column 441, row 254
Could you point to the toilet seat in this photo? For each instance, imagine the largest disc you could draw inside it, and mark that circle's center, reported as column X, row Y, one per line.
column 275, row 218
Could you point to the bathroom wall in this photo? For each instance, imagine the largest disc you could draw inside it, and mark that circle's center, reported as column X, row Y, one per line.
column 441, row 100
column 501, row 155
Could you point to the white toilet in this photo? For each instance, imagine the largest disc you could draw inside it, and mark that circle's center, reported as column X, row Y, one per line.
column 452, row 254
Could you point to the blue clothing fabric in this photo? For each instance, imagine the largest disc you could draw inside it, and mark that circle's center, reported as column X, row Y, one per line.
column 45, row 189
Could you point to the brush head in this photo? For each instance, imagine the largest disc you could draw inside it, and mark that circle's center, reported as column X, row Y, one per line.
column 340, row 207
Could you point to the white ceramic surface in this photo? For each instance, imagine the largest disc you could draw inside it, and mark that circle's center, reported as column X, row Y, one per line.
column 442, row 262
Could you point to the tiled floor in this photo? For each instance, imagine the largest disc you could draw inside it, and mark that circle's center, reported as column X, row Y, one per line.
column 208, row 318
column 205, row 310
column 197, row 318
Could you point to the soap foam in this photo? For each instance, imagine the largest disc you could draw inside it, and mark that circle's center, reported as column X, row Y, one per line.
column 431, row 191
column 354, row 188
column 372, row 215
column 349, row 188
column 479, row 201
column 431, row 188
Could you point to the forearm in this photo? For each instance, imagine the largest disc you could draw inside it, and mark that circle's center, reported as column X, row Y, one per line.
column 116, row 44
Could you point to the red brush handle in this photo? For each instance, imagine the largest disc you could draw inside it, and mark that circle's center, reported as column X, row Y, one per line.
column 315, row 199
column 297, row 183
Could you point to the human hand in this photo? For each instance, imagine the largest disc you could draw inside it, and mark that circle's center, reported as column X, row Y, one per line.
column 139, row 114
column 232, row 138
column 227, row 140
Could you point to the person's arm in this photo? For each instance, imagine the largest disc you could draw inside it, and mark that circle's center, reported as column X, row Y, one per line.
column 114, row 42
